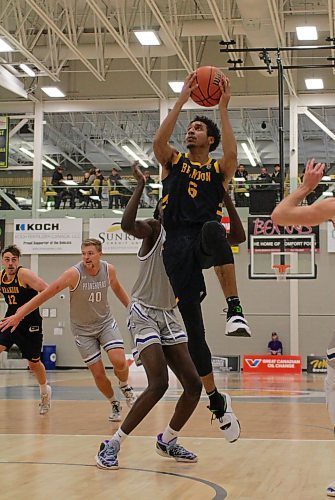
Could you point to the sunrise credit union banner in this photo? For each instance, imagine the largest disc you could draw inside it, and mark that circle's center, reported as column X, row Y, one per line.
column 113, row 239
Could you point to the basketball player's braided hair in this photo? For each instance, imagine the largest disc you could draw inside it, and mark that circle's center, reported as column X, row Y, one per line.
column 212, row 130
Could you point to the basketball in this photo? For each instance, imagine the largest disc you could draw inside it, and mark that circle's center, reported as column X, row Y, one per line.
column 208, row 92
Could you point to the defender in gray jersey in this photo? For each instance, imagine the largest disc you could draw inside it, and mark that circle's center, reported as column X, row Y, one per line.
column 159, row 339
column 92, row 323
column 289, row 212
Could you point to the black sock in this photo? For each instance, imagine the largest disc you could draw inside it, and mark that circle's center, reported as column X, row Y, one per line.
column 234, row 306
column 216, row 401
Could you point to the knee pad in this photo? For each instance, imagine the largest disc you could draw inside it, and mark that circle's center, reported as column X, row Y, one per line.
column 197, row 345
column 201, row 357
column 214, row 242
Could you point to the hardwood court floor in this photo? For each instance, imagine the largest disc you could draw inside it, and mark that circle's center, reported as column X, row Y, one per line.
column 286, row 450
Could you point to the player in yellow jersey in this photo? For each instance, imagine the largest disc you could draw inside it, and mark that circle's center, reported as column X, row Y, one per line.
column 194, row 185
column 18, row 285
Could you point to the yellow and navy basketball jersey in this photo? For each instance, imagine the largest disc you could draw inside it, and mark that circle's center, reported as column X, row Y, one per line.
column 16, row 295
column 192, row 193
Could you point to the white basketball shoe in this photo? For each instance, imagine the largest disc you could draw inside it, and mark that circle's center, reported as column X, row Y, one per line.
column 45, row 403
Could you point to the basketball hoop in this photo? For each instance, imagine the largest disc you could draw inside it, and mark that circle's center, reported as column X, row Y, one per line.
column 281, row 271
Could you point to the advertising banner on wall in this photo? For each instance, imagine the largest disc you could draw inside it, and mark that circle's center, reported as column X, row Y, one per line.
column 113, row 239
column 316, row 364
column 48, row 236
column 223, row 363
column 4, row 141
column 263, row 226
column 254, row 363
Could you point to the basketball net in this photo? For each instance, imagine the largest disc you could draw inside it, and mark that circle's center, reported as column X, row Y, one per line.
column 281, row 271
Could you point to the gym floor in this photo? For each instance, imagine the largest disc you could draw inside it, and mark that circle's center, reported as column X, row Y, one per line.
column 286, row 449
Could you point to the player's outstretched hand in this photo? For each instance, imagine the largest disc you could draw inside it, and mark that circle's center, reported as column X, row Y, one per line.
column 313, row 174
column 225, row 92
column 10, row 322
column 189, row 86
column 137, row 173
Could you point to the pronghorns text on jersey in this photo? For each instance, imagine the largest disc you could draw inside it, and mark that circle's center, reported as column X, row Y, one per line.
column 9, row 289
column 94, row 285
column 195, row 174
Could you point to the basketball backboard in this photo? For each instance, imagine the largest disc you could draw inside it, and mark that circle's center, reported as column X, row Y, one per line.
column 270, row 254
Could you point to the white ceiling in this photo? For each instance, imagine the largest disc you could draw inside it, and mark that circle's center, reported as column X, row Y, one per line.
column 87, row 49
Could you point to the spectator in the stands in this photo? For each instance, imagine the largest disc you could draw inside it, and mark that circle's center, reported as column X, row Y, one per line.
column 276, row 176
column 241, row 172
column 115, row 200
column 58, row 184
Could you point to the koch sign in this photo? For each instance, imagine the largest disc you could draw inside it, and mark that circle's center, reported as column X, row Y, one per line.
column 48, row 236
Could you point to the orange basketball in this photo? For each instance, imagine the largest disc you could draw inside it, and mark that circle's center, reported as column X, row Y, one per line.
column 208, row 92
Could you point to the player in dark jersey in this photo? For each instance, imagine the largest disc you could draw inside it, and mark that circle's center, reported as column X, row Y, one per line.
column 18, row 285
column 193, row 190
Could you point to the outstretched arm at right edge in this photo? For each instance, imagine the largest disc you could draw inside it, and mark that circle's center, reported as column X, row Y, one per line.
column 68, row 279
column 163, row 151
column 289, row 212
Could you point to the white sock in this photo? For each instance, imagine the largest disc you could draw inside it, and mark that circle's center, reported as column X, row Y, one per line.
column 119, row 436
column 169, row 434
column 330, row 392
column 123, row 385
column 43, row 388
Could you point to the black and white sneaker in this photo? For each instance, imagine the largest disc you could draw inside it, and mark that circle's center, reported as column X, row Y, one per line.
column 174, row 450
column 237, row 325
column 225, row 418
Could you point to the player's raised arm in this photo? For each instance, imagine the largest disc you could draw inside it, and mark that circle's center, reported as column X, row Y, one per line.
column 288, row 210
column 163, row 151
column 139, row 228
column 68, row 279
column 228, row 163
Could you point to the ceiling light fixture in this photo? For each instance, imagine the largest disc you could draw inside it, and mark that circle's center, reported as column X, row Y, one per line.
column 314, row 83
column 53, row 91
column 307, row 32
column 135, row 156
column 27, row 70
column 248, row 153
column 31, row 155
column 176, row 86
column 51, row 160
column 147, row 37
column 4, row 46
column 48, row 165
column 27, row 152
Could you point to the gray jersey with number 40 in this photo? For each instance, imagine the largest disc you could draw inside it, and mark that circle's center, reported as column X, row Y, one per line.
column 89, row 308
